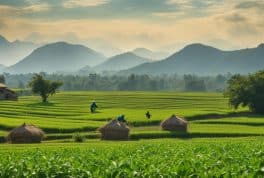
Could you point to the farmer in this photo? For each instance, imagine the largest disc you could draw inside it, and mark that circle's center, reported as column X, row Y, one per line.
column 148, row 115
column 121, row 118
column 93, row 107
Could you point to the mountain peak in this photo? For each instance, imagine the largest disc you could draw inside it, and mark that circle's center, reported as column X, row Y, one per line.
column 149, row 54
column 205, row 60
column 17, row 41
column 141, row 50
column 1, row 67
column 261, row 45
column 198, row 46
column 57, row 57
column 126, row 54
column 129, row 53
column 3, row 39
column 59, row 43
column 121, row 62
column 63, row 47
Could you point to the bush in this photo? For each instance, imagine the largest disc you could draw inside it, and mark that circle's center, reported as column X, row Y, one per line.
column 78, row 137
column 247, row 91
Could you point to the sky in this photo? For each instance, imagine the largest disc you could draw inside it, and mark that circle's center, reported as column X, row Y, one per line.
column 120, row 25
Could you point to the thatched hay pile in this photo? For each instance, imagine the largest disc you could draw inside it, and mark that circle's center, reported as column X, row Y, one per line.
column 25, row 134
column 7, row 94
column 115, row 130
column 175, row 123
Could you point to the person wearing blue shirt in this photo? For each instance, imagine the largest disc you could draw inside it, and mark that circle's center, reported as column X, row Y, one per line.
column 121, row 118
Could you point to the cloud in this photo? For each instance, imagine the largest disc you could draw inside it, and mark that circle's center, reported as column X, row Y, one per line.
column 257, row 4
column 169, row 15
column 34, row 37
column 127, row 24
column 101, row 9
column 242, row 25
column 183, row 4
column 188, row 9
column 36, row 8
column 84, row 3
column 2, row 24
column 236, row 18
column 17, row 11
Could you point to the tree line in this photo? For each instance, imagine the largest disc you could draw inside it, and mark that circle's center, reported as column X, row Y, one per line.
column 126, row 83
column 242, row 90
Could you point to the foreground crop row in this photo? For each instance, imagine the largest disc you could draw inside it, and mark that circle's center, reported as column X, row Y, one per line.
column 169, row 158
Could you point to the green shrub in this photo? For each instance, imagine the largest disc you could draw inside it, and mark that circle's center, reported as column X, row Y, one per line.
column 247, row 91
column 78, row 137
column 156, row 158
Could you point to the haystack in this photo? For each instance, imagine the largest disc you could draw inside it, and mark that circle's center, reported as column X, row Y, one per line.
column 25, row 134
column 115, row 130
column 175, row 123
column 7, row 94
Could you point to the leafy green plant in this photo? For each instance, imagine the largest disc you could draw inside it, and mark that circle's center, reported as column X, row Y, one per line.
column 78, row 137
column 247, row 91
column 156, row 158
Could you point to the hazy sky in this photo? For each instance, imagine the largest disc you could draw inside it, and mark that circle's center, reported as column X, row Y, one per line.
column 127, row 24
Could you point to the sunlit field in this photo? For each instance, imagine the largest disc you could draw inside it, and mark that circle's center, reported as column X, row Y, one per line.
column 220, row 142
column 209, row 114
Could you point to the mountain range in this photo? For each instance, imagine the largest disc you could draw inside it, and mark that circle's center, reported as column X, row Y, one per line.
column 121, row 62
column 1, row 67
column 57, row 57
column 205, row 60
column 70, row 58
column 12, row 52
column 146, row 53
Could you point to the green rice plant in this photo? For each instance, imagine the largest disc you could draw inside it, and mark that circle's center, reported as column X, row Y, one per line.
column 78, row 137
column 208, row 113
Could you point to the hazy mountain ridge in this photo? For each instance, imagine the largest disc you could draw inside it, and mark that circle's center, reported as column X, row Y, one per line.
column 192, row 59
column 205, row 60
column 121, row 62
column 57, row 57
column 146, row 53
column 11, row 52
column 2, row 67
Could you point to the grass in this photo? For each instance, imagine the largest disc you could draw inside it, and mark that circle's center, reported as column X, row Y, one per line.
column 68, row 112
column 220, row 142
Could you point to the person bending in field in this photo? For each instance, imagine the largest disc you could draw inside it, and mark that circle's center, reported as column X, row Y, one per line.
column 121, row 118
column 148, row 115
column 93, row 107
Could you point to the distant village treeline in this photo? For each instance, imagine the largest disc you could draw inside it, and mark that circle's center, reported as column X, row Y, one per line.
column 132, row 82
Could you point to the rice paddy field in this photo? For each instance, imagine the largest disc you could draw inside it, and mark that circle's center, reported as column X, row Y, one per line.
column 220, row 142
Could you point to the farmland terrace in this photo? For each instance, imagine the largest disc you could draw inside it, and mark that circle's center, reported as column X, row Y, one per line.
column 209, row 114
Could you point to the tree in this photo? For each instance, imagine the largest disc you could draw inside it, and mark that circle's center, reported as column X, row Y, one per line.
column 21, row 84
column 43, row 87
column 2, row 79
column 247, row 91
column 192, row 83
